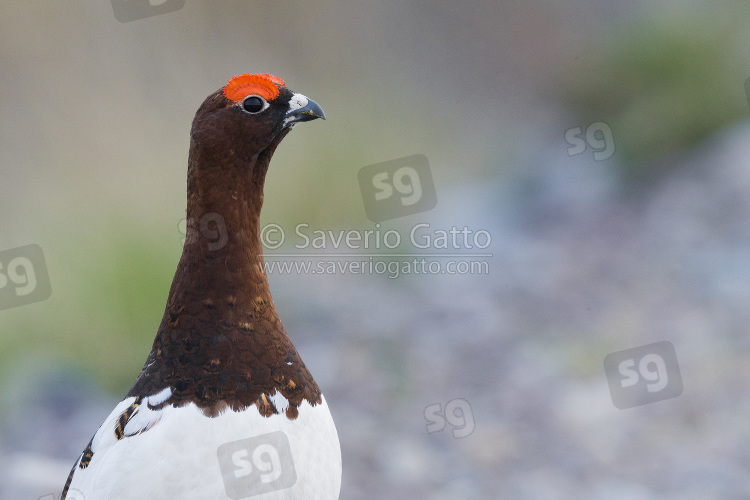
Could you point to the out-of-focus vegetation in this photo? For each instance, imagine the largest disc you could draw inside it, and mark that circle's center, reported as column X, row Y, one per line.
column 106, row 304
column 663, row 81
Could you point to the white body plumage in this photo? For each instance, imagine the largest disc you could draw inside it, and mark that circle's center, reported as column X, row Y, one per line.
column 180, row 453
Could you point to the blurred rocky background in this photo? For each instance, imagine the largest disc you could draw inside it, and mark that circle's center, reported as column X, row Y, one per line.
column 603, row 145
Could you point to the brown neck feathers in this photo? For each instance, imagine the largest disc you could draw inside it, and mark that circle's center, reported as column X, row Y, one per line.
column 221, row 343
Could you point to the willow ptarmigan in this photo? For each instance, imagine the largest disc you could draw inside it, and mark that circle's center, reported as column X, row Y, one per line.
column 224, row 407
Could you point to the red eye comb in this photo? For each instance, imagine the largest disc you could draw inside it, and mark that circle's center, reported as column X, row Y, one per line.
column 263, row 85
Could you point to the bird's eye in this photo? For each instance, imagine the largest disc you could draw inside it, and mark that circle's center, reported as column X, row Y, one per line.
column 254, row 104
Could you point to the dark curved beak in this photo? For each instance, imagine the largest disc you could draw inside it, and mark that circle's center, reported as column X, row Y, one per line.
column 306, row 113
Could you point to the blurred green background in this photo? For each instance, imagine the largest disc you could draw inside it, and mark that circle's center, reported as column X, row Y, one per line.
column 95, row 132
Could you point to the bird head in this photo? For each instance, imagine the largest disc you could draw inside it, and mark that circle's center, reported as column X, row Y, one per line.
column 235, row 132
column 250, row 113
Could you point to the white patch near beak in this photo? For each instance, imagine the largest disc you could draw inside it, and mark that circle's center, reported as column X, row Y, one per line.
column 296, row 102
